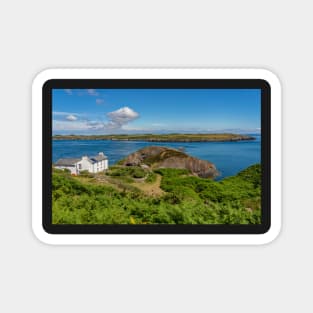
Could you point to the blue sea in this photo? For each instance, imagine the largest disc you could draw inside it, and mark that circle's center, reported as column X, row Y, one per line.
column 228, row 157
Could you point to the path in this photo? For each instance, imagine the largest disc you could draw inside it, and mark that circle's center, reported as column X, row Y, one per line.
column 151, row 189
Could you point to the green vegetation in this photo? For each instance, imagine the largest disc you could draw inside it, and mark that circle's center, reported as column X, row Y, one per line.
column 159, row 137
column 151, row 178
column 132, row 171
column 119, row 197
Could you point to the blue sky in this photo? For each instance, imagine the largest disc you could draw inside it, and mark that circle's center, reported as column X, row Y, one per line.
column 112, row 111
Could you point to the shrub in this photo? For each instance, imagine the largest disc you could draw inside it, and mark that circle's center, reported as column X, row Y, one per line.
column 188, row 199
column 131, row 171
column 138, row 173
column 85, row 173
column 151, row 178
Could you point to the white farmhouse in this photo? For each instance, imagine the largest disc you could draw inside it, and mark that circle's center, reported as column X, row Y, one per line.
column 94, row 164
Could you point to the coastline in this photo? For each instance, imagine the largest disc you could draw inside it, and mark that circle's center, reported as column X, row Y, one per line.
column 160, row 138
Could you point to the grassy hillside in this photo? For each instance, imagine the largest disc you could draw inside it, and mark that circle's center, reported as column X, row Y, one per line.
column 125, row 196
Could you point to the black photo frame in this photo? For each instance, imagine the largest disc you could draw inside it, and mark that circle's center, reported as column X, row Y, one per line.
column 261, row 84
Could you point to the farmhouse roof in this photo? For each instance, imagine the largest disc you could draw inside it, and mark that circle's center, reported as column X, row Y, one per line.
column 67, row 161
column 99, row 157
column 73, row 161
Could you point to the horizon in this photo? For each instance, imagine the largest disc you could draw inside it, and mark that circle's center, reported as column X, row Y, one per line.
column 170, row 133
column 155, row 111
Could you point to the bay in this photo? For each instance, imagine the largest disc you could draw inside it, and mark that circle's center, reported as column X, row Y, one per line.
column 228, row 157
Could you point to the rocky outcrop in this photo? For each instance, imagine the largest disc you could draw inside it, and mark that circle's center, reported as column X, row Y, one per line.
column 164, row 157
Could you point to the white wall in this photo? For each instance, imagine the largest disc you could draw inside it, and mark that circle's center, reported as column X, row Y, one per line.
column 93, row 167
column 272, row 34
column 102, row 165
column 85, row 164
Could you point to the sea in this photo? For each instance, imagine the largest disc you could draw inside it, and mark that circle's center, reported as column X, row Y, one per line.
column 228, row 157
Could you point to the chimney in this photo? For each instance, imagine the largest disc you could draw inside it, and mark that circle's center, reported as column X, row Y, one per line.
column 101, row 153
column 85, row 157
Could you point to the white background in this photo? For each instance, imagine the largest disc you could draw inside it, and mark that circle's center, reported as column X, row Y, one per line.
column 38, row 34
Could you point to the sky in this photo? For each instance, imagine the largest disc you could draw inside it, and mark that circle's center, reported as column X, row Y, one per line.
column 129, row 111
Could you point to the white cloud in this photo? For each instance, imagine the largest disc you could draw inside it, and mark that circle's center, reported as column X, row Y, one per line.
column 82, row 92
column 95, row 125
column 99, row 101
column 117, row 120
column 92, row 92
column 69, row 125
column 71, row 117
column 58, row 113
column 121, row 117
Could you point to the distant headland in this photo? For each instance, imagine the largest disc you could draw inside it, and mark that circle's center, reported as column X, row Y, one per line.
column 219, row 137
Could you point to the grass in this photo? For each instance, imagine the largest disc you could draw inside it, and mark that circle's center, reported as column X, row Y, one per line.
column 130, row 171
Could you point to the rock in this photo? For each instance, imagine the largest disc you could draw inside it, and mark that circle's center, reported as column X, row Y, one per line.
column 164, row 157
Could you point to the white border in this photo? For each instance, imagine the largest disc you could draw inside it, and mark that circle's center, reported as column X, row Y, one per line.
column 45, row 75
